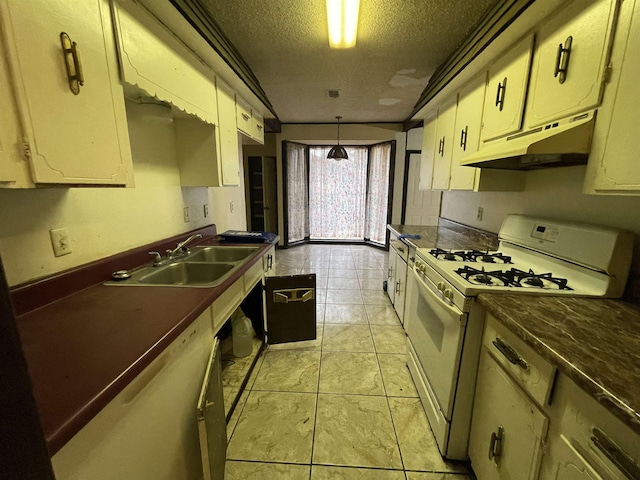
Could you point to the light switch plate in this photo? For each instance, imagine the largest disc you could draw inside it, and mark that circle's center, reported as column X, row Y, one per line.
column 60, row 242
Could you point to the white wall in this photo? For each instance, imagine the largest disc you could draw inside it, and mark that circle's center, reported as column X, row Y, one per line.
column 105, row 221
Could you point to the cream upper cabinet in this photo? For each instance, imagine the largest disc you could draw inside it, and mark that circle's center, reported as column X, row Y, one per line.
column 153, row 59
column 570, row 61
column 613, row 162
column 507, row 428
column 243, row 116
column 257, row 127
column 467, row 134
column 68, row 95
column 444, row 143
column 229, row 160
column 427, row 155
column 506, row 91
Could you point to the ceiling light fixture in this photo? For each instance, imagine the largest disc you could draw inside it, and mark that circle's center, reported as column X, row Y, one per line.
column 342, row 20
column 338, row 153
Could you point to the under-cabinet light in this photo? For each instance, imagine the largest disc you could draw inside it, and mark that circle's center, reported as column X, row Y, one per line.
column 342, row 20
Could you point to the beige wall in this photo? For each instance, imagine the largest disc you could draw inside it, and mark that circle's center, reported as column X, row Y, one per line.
column 554, row 193
column 105, row 221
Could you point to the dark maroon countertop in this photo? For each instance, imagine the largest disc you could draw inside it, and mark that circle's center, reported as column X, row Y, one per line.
column 84, row 348
column 593, row 341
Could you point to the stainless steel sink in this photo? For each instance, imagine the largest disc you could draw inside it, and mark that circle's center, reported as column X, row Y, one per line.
column 206, row 266
column 220, row 254
column 189, row 274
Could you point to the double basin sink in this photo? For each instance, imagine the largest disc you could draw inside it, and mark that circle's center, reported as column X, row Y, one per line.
column 204, row 267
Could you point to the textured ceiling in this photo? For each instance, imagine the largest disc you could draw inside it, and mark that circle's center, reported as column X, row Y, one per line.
column 400, row 44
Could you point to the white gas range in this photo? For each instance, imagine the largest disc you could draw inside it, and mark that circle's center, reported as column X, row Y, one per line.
column 444, row 322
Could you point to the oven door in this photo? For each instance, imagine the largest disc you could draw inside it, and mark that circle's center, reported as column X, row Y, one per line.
column 436, row 331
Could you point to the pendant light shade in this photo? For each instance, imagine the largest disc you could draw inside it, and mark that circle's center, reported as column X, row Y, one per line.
column 338, row 153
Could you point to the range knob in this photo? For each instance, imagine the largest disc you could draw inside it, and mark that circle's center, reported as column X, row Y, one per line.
column 440, row 286
column 448, row 294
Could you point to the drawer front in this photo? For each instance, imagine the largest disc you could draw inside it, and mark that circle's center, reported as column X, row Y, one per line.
column 530, row 371
column 401, row 249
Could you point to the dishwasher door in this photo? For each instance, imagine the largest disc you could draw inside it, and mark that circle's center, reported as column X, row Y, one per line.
column 290, row 308
column 212, row 424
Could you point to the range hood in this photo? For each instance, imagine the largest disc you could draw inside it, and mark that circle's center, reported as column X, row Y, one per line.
column 561, row 143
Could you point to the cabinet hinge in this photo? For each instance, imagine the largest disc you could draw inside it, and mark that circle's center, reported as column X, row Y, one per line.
column 25, row 149
column 606, row 76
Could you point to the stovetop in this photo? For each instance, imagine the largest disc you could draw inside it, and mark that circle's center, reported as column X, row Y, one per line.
column 511, row 268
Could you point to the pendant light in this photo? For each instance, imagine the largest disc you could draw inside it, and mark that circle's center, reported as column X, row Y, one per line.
column 338, row 153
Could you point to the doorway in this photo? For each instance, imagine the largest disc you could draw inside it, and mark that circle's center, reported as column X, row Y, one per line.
column 263, row 201
column 347, row 201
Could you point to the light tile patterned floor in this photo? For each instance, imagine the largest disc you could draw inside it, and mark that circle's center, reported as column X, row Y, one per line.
column 343, row 406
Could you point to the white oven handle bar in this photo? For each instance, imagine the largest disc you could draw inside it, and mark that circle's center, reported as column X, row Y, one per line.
column 439, row 295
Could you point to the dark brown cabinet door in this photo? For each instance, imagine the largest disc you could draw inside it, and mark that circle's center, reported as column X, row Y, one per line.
column 291, row 308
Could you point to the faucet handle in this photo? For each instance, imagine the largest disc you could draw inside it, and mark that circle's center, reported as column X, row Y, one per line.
column 157, row 257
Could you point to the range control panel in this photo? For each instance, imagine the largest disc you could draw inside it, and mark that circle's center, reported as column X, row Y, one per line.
column 548, row 233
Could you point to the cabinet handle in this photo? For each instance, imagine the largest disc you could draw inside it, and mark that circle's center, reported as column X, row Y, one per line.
column 463, row 138
column 562, row 60
column 502, row 88
column 245, row 117
column 269, row 262
column 71, row 53
column 397, row 286
column 293, row 295
column 259, row 127
column 619, row 458
column 495, row 444
column 510, row 354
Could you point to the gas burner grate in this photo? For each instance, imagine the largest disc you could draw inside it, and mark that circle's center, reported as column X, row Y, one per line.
column 496, row 278
column 470, row 256
column 531, row 279
column 512, row 278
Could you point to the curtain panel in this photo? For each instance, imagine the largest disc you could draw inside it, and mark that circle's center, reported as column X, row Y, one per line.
column 297, row 192
column 378, row 193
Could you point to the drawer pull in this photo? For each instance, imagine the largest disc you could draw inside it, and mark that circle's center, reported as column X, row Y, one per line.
column 509, row 353
column 293, row 295
column 620, row 459
column 495, row 444
column 245, row 117
column 71, row 53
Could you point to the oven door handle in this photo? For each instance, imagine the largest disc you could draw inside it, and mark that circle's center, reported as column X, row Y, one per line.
column 436, row 295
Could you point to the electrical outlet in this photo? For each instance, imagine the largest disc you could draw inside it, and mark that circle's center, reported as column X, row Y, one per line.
column 60, row 241
column 231, row 206
column 479, row 214
column 205, row 210
column 185, row 213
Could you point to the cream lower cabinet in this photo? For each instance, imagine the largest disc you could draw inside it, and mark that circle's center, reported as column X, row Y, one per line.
column 506, row 91
column 397, row 275
column 586, row 442
column 570, row 61
column 507, row 428
column 149, row 429
column 67, row 92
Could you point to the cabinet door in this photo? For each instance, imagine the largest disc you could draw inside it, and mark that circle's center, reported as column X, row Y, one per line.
column 444, row 142
column 506, row 428
column 616, row 143
column 257, row 127
column 391, row 273
column 570, row 61
column 401, row 288
column 243, row 116
column 564, row 462
column 291, row 308
column 229, row 160
column 73, row 138
column 506, row 91
column 467, row 134
column 428, row 152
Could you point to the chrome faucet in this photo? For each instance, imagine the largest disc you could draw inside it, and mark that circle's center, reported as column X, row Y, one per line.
column 180, row 251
